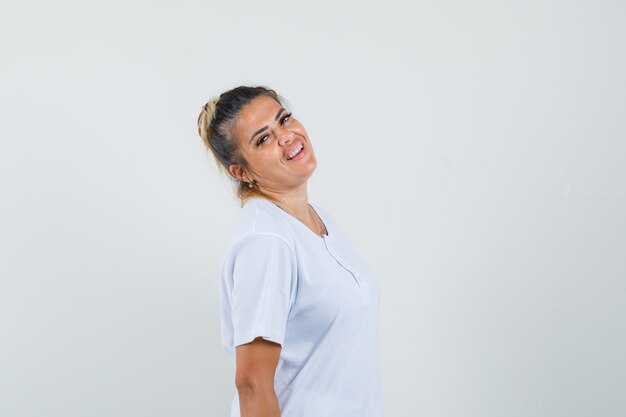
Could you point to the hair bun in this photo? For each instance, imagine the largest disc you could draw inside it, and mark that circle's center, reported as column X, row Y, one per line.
column 206, row 116
column 209, row 107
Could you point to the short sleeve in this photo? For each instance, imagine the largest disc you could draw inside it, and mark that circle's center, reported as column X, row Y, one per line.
column 262, row 283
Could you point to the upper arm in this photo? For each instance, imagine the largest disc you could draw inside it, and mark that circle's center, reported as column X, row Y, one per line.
column 256, row 363
column 261, row 281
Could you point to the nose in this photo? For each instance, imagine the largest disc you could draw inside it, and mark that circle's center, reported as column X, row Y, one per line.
column 285, row 137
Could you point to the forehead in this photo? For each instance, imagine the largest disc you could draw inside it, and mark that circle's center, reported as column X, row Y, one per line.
column 259, row 112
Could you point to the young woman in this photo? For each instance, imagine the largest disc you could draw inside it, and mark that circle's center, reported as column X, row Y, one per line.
column 299, row 306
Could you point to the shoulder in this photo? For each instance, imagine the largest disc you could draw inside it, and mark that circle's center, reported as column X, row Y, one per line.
column 260, row 221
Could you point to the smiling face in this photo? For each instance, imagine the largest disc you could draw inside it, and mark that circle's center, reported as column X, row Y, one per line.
column 275, row 145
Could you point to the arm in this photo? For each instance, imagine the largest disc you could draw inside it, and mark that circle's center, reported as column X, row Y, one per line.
column 254, row 377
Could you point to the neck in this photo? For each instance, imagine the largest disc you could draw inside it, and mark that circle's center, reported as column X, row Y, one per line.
column 296, row 201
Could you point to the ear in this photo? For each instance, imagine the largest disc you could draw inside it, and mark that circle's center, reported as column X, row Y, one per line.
column 238, row 172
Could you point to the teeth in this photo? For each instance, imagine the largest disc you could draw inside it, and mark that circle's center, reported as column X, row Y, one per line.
column 295, row 152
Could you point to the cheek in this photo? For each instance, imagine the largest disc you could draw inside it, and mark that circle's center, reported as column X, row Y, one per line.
column 269, row 158
column 300, row 130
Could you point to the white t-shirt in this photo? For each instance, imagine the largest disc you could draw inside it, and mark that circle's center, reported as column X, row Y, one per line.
column 314, row 296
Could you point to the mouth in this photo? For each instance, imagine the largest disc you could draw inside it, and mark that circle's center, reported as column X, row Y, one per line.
column 295, row 151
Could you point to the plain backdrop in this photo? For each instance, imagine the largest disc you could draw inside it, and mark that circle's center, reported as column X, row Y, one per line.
column 474, row 152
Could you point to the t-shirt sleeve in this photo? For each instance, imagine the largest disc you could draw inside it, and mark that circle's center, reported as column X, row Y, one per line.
column 262, row 278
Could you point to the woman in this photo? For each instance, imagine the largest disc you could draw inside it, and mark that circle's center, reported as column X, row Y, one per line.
column 299, row 307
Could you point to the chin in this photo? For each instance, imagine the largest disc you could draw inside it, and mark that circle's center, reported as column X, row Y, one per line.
column 310, row 170
column 313, row 167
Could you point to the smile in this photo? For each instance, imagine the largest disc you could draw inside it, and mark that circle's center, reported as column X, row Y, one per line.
column 295, row 151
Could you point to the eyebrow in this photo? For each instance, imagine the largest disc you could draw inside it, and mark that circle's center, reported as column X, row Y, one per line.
column 282, row 109
column 279, row 113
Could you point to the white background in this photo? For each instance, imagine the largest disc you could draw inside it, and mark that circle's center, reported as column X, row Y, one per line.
column 474, row 152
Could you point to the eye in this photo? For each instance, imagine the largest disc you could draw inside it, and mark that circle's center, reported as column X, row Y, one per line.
column 261, row 140
column 285, row 118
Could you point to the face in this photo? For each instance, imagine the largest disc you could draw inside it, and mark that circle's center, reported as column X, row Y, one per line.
column 270, row 139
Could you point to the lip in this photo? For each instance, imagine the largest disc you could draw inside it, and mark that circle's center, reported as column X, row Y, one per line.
column 296, row 146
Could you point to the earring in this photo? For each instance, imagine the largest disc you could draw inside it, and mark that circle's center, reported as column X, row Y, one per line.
column 251, row 184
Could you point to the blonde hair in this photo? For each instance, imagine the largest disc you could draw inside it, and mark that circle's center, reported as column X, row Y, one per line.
column 215, row 123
